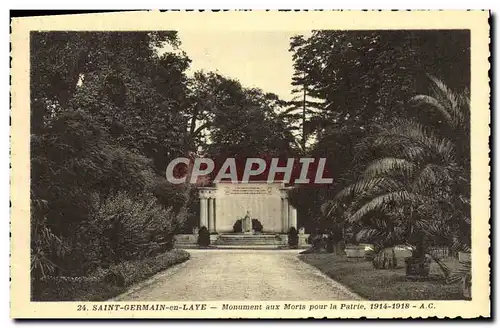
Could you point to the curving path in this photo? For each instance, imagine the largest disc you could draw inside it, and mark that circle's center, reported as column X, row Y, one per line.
column 233, row 275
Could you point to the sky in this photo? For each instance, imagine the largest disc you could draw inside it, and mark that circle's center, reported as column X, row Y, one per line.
column 256, row 58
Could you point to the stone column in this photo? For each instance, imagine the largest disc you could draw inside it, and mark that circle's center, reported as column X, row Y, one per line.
column 284, row 214
column 292, row 217
column 203, row 211
column 211, row 215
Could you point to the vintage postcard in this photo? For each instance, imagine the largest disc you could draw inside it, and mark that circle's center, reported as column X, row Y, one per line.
column 250, row 164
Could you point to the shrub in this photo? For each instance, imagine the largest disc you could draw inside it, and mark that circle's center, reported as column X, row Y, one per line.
column 237, row 227
column 131, row 272
column 76, row 289
column 106, row 283
column 170, row 195
column 385, row 259
column 132, row 227
column 203, row 237
column 256, row 225
column 316, row 240
column 293, row 238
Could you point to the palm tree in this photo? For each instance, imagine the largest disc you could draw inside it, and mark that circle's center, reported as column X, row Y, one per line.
column 415, row 188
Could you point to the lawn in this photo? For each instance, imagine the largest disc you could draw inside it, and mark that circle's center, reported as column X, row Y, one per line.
column 360, row 277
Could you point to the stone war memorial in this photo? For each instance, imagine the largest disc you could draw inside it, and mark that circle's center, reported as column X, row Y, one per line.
column 222, row 205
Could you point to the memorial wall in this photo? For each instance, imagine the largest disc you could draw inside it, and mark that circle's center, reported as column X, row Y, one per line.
column 222, row 205
column 262, row 200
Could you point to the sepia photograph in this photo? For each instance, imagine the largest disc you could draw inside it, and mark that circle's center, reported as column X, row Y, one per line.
column 239, row 169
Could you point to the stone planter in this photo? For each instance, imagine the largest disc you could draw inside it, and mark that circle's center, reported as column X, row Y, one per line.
column 355, row 251
column 417, row 267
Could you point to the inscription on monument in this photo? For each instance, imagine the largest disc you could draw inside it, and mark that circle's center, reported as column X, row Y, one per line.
column 248, row 190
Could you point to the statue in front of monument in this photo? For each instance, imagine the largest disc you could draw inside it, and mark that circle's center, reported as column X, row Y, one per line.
column 246, row 223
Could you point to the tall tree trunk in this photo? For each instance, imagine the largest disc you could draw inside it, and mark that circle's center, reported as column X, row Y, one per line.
column 304, row 136
column 187, row 192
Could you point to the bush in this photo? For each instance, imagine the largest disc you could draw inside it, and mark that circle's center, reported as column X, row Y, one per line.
column 80, row 289
column 417, row 266
column 131, row 272
column 133, row 228
column 316, row 240
column 237, row 227
column 107, row 283
column 203, row 237
column 170, row 195
column 293, row 238
column 72, row 158
column 256, row 225
column 385, row 259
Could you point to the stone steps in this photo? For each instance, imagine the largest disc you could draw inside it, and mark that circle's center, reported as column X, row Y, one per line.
column 249, row 240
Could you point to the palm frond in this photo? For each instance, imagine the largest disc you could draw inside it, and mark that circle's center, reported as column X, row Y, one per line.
column 433, row 102
column 368, row 184
column 444, row 268
column 370, row 235
column 463, row 272
column 378, row 203
column 432, row 175
column 453, row 107
column 389, row 166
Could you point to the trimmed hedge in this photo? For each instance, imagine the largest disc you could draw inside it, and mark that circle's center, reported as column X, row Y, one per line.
column 105, row 284
column 293, row 238
column 256, row 226
column 131, row 272
column 203, row 237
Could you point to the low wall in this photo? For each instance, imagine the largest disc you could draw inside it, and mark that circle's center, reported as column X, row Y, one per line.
column 185, row 239
column 359, row 251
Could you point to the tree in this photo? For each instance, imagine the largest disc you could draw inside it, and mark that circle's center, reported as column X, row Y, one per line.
column 361, row 79
column 108, row 113
column 302, row 108
column 367, row 76
column 414, row 189
column 238, row 121
column 118, row 78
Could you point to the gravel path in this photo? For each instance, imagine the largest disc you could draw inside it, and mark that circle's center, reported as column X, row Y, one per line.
column 232, row 275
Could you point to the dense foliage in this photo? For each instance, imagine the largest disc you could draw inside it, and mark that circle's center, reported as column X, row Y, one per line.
column 388, row 109
column 107, row 283
column 203, row 237
column 293, row 238
column 107, row 113
column 256, row 225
